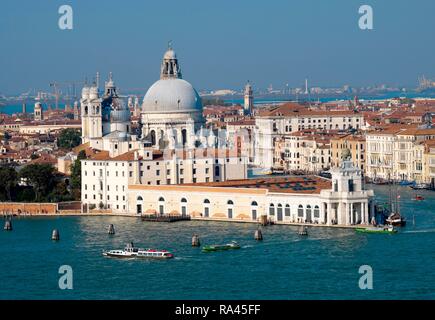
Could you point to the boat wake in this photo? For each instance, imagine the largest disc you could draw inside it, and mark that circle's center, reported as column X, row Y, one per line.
column 420, row 231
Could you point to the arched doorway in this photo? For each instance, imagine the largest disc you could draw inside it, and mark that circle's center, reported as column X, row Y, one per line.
column 139, row 203
column 308, row 214
column 254, row 208
column 230, row 207
column 184, row 207
column 161, row 206
column 279, row 212
column 206, row 208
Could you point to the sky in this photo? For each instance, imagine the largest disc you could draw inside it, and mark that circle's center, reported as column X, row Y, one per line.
column 220, row 44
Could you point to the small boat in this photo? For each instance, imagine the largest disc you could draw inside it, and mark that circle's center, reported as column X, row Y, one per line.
column 379, row 229
column 130, row 251
column 303, row 231
column 221, row 247
column 406, row 183
column 395, row 219
column 418, row 197
column 419, row 186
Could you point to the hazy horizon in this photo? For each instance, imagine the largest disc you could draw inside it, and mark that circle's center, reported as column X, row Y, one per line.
column 220, row 45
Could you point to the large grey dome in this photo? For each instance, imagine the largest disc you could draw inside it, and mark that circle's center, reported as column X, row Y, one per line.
column 171, row 95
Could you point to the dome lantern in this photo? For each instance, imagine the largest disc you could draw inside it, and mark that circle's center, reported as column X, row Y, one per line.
column 170, row 68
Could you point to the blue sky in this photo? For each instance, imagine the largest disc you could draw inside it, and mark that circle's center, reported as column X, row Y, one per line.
column 220, row 44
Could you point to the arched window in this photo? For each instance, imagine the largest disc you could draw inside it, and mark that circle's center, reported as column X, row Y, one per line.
column 287, row 210
column 183, row 200
column 271, row 209
column 184, row 137
column 300, row 211
column 86, row 110
column 316, row 212
column 230, row 202
column 206, row 201
column 153, row 137
column 254, row 203
column 139, row 198
column 161, row 199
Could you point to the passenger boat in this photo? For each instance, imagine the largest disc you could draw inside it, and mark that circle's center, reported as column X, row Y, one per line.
column 379, row 229
column 130, row 251
column 221, row 247
column 395, row 219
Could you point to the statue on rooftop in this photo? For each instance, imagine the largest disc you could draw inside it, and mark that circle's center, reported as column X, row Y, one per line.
column 345, row 154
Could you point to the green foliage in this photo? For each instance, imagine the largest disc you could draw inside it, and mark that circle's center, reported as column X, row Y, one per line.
column 81, row 155
column 69, row 138
column 76, row 175
column 8, row 180
column 40, row 177
column 60, row 193
column 43, row 185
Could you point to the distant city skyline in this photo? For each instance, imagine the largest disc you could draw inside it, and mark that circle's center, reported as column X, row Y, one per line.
column 220, row 45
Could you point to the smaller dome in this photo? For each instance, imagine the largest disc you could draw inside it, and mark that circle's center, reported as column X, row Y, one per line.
column 119, row 112
column 93, row 93
column 85, row 92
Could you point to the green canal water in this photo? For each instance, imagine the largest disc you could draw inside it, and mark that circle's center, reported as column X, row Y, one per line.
column 323, row 265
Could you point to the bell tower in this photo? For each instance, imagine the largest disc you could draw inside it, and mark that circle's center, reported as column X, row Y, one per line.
column 90, row 103
column 249, row 99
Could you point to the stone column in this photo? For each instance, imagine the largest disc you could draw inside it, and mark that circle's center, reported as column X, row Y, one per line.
column 352, row 218
column 363, row 213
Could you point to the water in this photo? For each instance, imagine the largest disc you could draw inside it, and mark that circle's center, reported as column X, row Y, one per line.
column 11, row 109
column 284, row 266
column 323, row 98
column 18, row 107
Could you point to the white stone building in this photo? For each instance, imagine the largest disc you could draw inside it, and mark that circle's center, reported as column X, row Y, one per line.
column 289, row 118
column 314, row 200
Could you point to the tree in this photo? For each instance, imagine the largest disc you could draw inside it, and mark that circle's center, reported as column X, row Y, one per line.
column 69, row 138
column 40, row 177
column 76, row 170
column 8, row 180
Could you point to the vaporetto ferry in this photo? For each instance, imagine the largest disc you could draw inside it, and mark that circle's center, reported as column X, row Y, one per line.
column 130, row 251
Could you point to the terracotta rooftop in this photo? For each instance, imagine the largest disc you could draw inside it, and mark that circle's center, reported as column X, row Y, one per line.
column 305, row 185
column 293, row 109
